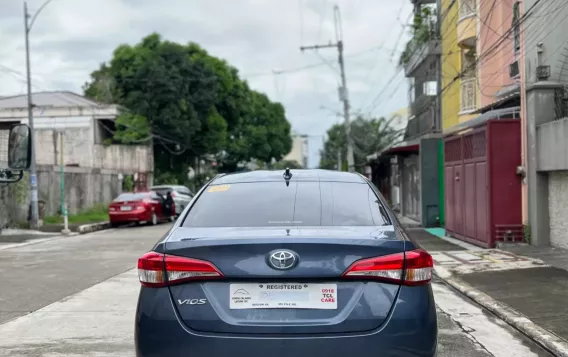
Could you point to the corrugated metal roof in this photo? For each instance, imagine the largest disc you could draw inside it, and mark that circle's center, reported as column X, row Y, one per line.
column 505, row 113
column 48, row 99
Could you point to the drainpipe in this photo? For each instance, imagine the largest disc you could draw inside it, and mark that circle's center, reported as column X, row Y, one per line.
column 438, row 117
column 522, row 67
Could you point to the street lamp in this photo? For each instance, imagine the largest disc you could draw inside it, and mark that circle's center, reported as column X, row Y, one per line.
column 33, row 170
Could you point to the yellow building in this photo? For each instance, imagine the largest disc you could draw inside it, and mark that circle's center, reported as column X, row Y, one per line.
column 459, row 42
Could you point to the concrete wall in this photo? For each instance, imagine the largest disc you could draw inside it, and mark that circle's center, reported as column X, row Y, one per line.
column 545, row 44
column 552, row 143
column 83, row 188
column 429, row 192
column 558, row 208
column 95, row 180
column 77, row 147
column 80, row 150
column 450, row 64
column 493, row 71
column 124, row 158
column 14, row 203
column 546, row 25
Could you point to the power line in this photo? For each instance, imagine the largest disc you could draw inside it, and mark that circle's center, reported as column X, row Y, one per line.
column 312, row 65
column 374, row 103
column 343, row 91
column 532, row 35
column 485, row 54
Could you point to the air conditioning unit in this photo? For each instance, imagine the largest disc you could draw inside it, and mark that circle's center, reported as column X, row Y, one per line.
column 514, row 69
column 543, row 72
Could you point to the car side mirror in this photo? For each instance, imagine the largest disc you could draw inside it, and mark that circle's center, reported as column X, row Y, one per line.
column 19, row 154
column 20, row 147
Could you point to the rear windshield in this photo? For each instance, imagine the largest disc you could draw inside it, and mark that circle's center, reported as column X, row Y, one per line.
column 132, row 196
column 265, row 204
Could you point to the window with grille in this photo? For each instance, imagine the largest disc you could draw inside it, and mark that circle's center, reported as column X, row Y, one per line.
column 474, row 145
column 468, row 63
column 468, row 100
column 467, row 8
column 452, row 150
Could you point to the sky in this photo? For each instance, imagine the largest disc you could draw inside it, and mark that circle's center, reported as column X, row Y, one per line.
column 262, row 38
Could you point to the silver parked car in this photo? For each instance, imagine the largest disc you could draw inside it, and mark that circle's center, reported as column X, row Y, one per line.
column 181, row 195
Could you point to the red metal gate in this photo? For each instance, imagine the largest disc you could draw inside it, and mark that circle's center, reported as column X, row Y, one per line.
column 466, row 186
column 482, row 192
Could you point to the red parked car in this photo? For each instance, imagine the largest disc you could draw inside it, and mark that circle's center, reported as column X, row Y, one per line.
column 139, row 207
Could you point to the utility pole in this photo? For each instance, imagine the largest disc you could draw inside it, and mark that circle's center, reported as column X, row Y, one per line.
column 33, row 171
column 28, row 24
column 343, row 92
column 339, row 161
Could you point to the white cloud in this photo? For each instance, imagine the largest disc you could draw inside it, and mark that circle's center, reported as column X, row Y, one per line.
column 71, row 37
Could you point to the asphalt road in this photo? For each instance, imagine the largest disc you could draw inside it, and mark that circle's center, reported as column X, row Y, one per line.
column 35, row 275
column 77, row 297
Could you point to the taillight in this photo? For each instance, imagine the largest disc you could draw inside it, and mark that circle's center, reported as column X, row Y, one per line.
column 409, row 268
column 157, row 270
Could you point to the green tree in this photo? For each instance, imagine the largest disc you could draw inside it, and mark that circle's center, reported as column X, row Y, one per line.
column 283, row 164
column 369, row 136
column 191, row 103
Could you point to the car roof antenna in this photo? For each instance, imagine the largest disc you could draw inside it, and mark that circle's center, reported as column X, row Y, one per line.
column 287, row 176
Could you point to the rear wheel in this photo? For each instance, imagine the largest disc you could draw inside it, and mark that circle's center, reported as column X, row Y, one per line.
column 154, row 219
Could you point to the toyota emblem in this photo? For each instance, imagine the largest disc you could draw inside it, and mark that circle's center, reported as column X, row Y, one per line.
column 282, row 259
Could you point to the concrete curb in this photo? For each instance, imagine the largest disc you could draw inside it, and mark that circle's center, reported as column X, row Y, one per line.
column 554, row 344
column 88, row 228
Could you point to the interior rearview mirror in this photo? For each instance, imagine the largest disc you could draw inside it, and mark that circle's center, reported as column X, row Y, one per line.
column 20, row 147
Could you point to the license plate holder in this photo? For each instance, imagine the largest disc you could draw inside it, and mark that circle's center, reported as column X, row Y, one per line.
column 283, row 296
column 126, row 208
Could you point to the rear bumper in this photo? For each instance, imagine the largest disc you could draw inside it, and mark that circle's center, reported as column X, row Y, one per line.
column 137, row 216
column 410, row 331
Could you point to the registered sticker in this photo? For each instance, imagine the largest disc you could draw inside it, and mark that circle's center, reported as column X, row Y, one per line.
column 283, row 296
column 218, row 188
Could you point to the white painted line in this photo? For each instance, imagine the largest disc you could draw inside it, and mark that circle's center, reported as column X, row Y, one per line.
column 80, row 324
column 493, row 335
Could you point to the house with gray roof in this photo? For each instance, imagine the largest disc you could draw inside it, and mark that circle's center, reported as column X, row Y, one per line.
column 76, row 132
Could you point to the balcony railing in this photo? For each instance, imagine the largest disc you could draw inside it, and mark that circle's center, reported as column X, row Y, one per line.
column 468, row 98
column 423, row 114
column 467, row 8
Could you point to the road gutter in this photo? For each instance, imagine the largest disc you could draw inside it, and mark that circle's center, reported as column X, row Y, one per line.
column 546, row 339
column 84, row 229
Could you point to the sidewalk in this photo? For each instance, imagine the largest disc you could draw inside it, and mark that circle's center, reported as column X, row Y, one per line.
column 23, row 235
column 525, row 286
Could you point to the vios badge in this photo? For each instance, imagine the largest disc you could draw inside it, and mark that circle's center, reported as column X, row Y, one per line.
column 282, row 259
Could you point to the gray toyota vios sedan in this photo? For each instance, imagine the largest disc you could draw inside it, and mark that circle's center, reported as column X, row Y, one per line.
column 286, row 264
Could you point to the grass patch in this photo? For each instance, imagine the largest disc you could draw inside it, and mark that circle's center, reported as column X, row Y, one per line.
column 95, row 214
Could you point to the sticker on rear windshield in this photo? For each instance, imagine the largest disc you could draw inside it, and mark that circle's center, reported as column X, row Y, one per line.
column 219, row 188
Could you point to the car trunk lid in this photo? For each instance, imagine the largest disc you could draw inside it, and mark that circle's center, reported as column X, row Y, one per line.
column 256, row 297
